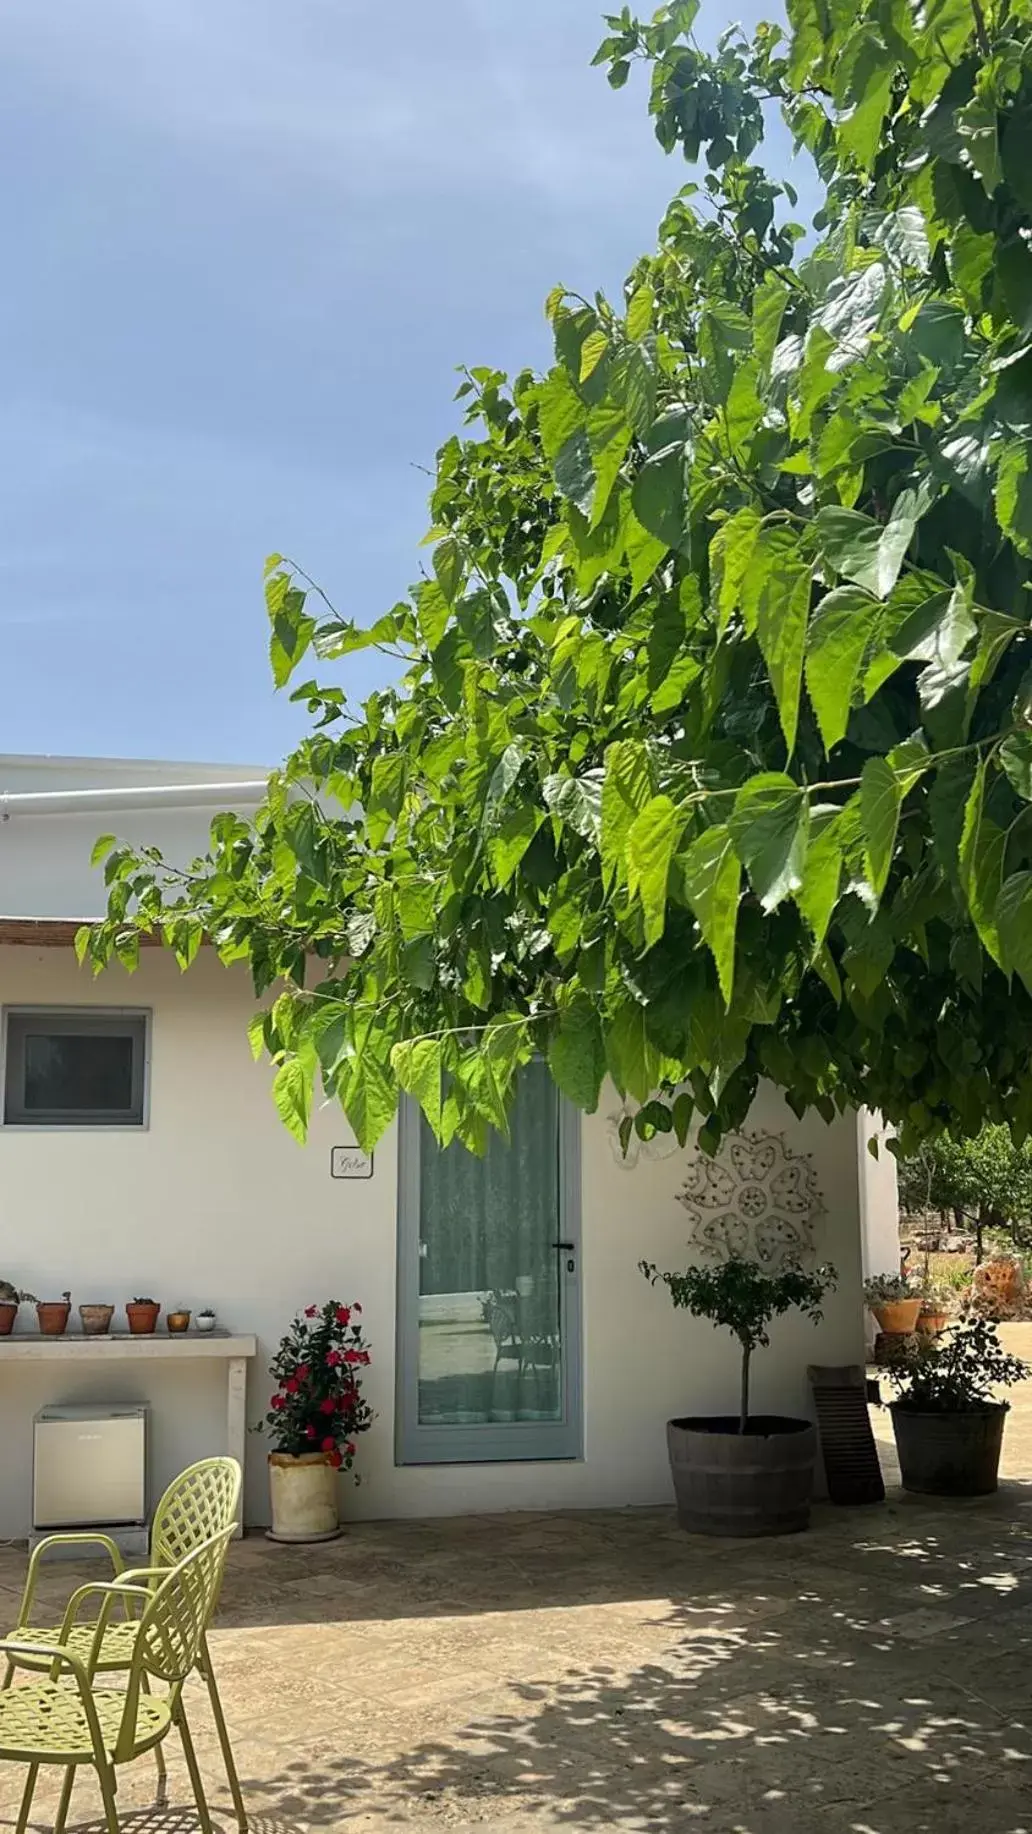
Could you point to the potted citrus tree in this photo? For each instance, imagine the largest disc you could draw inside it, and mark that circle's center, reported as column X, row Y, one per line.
column 314, row 1418
column 743, row 1473
column 947, row 1417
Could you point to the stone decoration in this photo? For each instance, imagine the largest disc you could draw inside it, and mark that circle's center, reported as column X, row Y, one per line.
column 757, row 1199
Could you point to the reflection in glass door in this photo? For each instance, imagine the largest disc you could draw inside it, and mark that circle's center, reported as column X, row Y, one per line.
column 488, row 1349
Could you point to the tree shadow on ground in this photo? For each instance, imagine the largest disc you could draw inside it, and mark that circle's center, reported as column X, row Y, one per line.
column 872, row 1684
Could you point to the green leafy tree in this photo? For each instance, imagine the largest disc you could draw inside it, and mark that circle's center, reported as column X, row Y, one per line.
column 739, row 1296
column 711, row 756
column 986, row 1182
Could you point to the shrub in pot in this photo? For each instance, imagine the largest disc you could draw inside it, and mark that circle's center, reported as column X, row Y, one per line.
column 946, row 1416
column 10, row 1300
column 206, row 1319
column 743, row 1474
column 894, row 1303
column 96, row 1319
column 314, row 1418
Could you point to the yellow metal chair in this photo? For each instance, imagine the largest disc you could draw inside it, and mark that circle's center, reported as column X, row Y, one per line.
column 200, row 1503
column 66, row 1720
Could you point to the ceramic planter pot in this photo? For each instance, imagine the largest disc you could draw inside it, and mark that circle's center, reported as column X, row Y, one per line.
column 205, row 1321
column 949, row 1454
column 143, row 1319
column 53, row 1315
column 178, row 1323
column 731, row 1483
column 96, row 1319
column 898, row 1317
column 930, row 1324
column 304, row 1492
column 8, row 1314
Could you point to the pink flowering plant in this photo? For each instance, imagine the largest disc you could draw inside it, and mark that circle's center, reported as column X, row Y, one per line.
column 318, row 1405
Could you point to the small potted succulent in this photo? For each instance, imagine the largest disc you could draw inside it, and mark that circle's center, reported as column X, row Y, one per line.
column 178, row 1320
column 143, row 1316
column 96, row 1319
column 53, row 1315
column 894, row 1303
column 744, row 1473
column 314, row 1419
column 10, row 1299
column 946, row 1418
column 206, row 1319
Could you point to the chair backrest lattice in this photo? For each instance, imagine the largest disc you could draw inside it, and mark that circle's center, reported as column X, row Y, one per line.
column 201, row 1502
column 174, row 1621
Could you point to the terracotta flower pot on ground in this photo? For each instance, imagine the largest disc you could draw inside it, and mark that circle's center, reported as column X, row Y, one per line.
column 143, row 1317
column 53, row 1316
column 96, row 1319
column 303, row 1492
column 897, row 1317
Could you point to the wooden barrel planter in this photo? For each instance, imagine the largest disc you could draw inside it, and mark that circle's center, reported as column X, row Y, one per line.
column 755, row 1483
column 955, row 1454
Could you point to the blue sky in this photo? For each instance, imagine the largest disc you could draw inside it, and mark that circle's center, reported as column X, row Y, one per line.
column 246, row 244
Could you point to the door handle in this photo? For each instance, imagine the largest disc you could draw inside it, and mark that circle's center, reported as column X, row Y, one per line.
column 568, row 1247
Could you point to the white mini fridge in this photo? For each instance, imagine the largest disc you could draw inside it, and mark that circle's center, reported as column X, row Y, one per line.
column 89, row 1468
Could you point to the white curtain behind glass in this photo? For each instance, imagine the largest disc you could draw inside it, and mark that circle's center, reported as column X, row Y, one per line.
column 489, row 1319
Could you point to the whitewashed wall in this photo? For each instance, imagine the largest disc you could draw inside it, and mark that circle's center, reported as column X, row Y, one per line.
column 214, row 1203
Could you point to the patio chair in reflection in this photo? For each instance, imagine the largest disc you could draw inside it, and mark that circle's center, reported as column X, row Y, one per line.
column 201, row 1502
column 67, row 1720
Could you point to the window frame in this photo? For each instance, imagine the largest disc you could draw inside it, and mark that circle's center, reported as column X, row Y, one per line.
column 493, row 1442
column 87, row 1021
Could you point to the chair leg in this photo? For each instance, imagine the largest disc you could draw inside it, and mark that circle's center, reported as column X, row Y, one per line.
column 227, row 1750
column 8, row 1675
column 66, row 1797
column 161, row 1798
column 26, row 1801
column 106, row 1777
column 195, row 1776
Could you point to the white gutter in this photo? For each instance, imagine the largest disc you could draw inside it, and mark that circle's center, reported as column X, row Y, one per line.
column 137, row 796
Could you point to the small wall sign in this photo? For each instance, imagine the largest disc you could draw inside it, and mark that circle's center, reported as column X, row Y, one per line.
column 350, row 1162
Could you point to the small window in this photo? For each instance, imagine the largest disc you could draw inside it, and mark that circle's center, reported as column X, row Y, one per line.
column 75, row 1069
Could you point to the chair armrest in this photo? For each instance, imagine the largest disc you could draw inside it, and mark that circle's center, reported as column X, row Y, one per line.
column 54, row 1653
column 110, row 1592
column 133, row 1575
column 81, row 1538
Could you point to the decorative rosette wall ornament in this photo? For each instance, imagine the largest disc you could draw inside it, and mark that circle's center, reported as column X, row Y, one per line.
column 758, row 1200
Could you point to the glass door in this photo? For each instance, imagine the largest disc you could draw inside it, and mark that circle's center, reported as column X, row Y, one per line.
column 489, row 1288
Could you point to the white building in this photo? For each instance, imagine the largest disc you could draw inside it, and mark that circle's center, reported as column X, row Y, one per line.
column 519, row 1358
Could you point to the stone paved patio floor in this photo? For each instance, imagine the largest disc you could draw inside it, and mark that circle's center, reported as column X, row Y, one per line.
column 532, row 1673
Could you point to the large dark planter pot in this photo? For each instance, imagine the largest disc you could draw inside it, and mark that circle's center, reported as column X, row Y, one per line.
column 754, row 1483
column 949, row 1454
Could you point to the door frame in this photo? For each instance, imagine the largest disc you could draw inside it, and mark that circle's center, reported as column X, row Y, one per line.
column 503, row 1441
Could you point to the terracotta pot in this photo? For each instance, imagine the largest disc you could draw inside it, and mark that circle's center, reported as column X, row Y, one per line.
column 178, row 1323
column 8, row 1314
column 304, row 1493
column 143, row 1319
column 53, row 1316
column 96, row 1319
column 897, row 1317
column 930, row 1324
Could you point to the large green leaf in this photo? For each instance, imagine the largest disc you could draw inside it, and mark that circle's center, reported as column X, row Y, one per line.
column 651, row 840
column 576, row 1054
column 626, row 788
column 292, row 1094
column 509, row 843
column 839, row 635
column 711, row 873
column 867, row 552
column 1013, row 923
column 781, row 628
column 575, row 472
column 1014, row 494
column 879, row 814
column 632, row 1059
column 982, row 847
column 659, row 497
column 1016, row 758
column 730, row 553
column 769, row 826
column 418, row 1064
column 822, row 872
